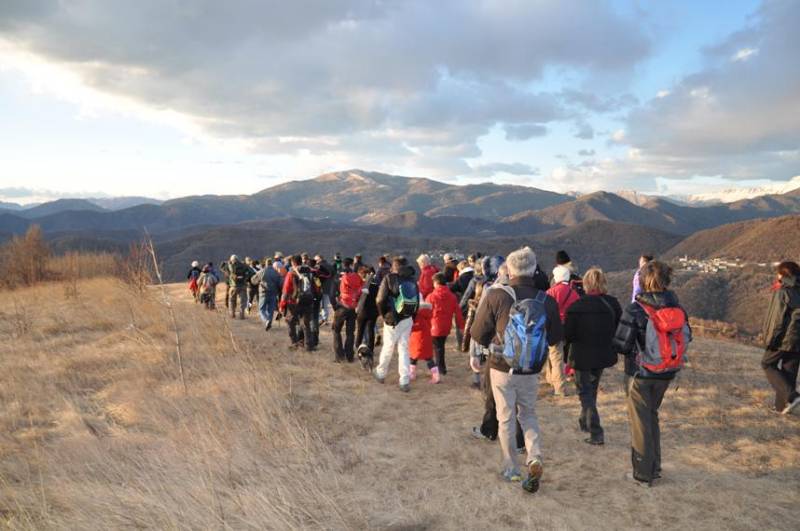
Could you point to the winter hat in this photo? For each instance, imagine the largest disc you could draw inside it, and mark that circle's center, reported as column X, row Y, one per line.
column 561, row 274
column 234, row 258
column 195, row 264
column 562, row 258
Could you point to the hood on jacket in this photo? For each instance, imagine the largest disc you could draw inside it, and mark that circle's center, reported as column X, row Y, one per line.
column 658, row 299
column 406, row 272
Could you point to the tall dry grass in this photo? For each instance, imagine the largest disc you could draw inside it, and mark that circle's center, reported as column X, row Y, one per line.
column 97, row 432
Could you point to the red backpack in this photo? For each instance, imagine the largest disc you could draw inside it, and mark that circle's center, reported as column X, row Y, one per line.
column 666, row 340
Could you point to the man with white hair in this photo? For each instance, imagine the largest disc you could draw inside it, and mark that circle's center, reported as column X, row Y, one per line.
column 515, row 389
column 426, row 272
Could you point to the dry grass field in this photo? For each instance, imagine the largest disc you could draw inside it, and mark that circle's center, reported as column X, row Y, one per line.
column 98, row 432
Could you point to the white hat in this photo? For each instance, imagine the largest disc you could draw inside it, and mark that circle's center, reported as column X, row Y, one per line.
column 448, row 257
column 195, row 264
column 561, row 274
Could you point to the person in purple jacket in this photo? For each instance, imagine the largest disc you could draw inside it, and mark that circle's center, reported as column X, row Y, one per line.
column 637, row 288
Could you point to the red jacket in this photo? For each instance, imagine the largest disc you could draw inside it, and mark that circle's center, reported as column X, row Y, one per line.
column 287, row 294
column 564, row 296
column 350, row 290
column 420, row 345
column 425, row 283
column 445, row 306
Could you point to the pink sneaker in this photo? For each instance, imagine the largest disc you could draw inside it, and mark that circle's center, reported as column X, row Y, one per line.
column 412, row 372
column 435, row 377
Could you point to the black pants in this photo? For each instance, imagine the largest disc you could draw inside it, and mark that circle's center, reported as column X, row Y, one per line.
column 489, row 425
column 438, row 353
column 784, row 378
column 644, row 398
column 344, row 317
column 298, row 315
column 587, row 382
column 365, row 332
column 315, row 322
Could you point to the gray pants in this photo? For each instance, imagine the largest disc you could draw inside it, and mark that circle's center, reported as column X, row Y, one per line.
column 237, row 294
column 644, row 398
column 516, row 392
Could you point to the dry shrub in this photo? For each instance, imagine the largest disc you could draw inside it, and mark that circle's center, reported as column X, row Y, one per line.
column 23, row 260
column 96, row 431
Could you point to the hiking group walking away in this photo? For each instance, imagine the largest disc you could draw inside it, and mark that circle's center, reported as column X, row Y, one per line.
column 518, row 327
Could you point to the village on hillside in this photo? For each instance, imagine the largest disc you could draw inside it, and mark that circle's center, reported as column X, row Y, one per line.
column 717, row 265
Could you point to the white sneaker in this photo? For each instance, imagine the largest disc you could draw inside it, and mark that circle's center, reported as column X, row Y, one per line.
column 791, row 406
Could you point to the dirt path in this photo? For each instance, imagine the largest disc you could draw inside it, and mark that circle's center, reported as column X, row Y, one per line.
column 411, row 464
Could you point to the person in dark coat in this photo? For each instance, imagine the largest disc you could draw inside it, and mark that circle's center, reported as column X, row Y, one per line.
column 645, row 390
column 588, row 333
column 781, row 332
column 367, row 312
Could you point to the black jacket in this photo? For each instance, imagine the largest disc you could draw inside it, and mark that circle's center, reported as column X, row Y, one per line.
column 367, row 308
column 589, row 330
column 781, row 327
column 630, row 336
column 492, row 317
column 540, row 280
column 460, row 285
column 389, row 289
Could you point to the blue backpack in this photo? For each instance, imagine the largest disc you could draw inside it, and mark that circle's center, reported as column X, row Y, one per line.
column 406, row 303
column 524, row 342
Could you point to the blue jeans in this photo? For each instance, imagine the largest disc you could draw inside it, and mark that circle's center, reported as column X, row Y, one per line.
column 266, row 307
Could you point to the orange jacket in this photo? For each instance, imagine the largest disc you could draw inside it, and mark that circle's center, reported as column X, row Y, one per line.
column 350, row 289
column 445, row 306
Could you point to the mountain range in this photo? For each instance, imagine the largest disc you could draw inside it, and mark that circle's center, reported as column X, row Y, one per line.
column 409, row 206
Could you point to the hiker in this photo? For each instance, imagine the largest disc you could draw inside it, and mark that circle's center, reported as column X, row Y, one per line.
column 337, row 265
column 269, row 284
column 505, row 310
column 366, row 315
column 564, row 295
column 350, row 287
column 238, row 278
column 207, row 286
column 465, row 275
column 444, row 309
column 450, row 268
column 358, row 261
column 637, row 287
column 252, row 289
column 426, row 272
column 653, row 335
column 420, row 344
column 297, row 303
column 781, row 332
column 192, row 276
column 588, row 333
column 325, row 273
column 398, row 301
column 575, row 281
column 316, row 285
column 384, row 268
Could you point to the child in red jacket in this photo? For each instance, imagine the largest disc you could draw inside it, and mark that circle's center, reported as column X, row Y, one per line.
column 445, row 307
column 420, row 345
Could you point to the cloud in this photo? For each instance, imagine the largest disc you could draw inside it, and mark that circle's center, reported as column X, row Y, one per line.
column 524, row 131
column 586, row 153
column 584, row 130
column 737, row 117
column 514, row 168
column 336, row 78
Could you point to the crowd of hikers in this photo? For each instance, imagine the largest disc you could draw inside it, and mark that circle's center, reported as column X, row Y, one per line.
column 514, row 321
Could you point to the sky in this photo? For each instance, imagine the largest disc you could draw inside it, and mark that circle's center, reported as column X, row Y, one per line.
column 168, row 98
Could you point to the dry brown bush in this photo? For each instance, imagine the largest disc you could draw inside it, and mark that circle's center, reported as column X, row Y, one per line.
column 23, row 260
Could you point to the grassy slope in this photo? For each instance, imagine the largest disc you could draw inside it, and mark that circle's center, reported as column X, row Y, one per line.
column 96, row 433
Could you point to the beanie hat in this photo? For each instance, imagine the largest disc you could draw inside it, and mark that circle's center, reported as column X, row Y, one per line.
column 195, row 264
column 562, row 258
column 561, row 274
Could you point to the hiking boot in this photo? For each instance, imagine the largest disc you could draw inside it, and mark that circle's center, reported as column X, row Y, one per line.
column 435, row 377
column 476, row 433
column 535, row 471
column 405, row 388
column 791, row 406
column 594, row 441
column 476, row 380
column 379, row 379
column 638, row 482
column 412, row 372
column 512, row 475
column 268, row 327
